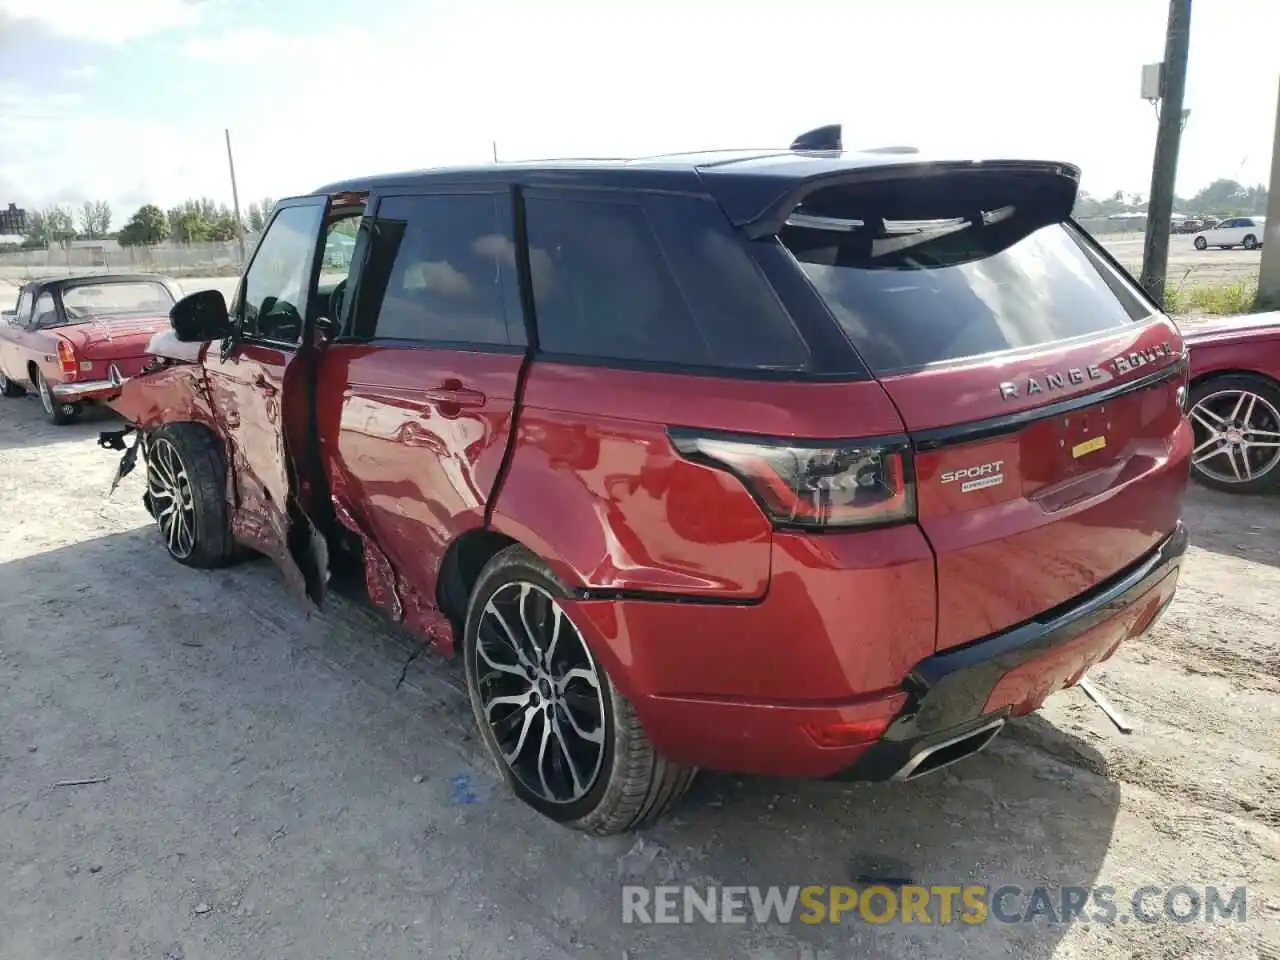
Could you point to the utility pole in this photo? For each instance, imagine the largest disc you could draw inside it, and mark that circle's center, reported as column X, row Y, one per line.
column 235, row 198
column 1269, row 274
column 1164, row 170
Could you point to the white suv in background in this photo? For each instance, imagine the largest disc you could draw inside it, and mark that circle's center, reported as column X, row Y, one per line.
column 1233, row 232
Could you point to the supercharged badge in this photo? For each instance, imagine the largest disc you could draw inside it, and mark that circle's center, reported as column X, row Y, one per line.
column 977, row 477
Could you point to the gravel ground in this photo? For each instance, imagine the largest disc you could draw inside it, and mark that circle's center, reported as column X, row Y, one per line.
column 290, row 783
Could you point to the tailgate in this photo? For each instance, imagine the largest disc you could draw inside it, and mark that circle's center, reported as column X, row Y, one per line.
column 1025, row 511
column 1041, row 389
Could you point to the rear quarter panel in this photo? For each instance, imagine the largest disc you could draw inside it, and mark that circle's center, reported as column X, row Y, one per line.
column 595, row 487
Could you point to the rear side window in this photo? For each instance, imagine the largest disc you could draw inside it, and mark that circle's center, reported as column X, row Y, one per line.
column 653, row 279
column 912, row 293
column 440, row 269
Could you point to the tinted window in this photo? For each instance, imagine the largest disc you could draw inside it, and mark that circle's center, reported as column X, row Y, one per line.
column 276, row 286
column 909, row 294
column 439, row 269
column 663, row 282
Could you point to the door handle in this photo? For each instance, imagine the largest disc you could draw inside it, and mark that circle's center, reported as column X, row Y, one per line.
column 264, row 386
column 456, row 397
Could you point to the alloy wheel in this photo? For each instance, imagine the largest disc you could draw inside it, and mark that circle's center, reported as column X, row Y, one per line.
column 171, row 497
column 540, row 691
column 1237, row 436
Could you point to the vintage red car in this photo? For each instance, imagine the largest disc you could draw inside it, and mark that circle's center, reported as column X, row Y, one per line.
column 1235, row 396
column 74, row 339
column 801, row 462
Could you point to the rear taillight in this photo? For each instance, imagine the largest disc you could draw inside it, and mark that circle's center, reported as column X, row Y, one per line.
column 858, row 483
column 67, row 359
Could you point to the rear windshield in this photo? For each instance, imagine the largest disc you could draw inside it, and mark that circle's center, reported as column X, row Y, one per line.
column 912, row 293
column 109, row 300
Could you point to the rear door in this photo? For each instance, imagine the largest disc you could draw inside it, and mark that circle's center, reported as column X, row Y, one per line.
column 1040, row 388
column 246, row 379
column 417, row 397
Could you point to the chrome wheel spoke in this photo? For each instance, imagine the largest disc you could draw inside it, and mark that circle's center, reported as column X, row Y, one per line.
column 1215, row 452
column 520, row 740
column 542, row 756
column 1215, row 439
column 1207, row 418
column 566, row 753
column 492, row 611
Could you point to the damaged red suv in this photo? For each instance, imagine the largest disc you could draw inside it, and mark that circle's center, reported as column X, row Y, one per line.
column 805, row 462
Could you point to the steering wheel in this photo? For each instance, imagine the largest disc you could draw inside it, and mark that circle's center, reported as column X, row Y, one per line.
column 335, row 302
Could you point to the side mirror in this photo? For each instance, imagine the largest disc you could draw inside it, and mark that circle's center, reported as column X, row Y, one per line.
column 201, row 317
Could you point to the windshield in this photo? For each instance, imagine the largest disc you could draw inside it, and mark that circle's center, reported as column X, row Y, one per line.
column 113, row 300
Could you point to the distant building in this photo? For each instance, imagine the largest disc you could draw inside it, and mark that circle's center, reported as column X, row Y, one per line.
column 13, row 220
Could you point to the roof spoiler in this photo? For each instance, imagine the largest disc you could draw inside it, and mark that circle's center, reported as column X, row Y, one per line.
column 1055, row 182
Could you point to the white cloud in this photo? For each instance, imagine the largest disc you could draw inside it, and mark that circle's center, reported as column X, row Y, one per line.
column 104, row 21
column 82, row 73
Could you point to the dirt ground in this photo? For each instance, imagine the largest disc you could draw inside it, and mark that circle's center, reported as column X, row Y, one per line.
column 291, row 783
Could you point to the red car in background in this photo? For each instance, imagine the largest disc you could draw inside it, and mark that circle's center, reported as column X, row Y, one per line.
column 800, row 462
column 73, row 340
column 1235, row 396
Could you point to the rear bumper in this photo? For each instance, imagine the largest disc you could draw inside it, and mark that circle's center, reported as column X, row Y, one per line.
column 963, row 693
column 85, row 390
column 962, row 690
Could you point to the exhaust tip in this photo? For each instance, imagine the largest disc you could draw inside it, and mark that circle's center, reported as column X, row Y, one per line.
column 947, row 752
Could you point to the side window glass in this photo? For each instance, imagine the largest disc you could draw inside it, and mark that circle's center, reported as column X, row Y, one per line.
column 658, row 280
column 439, row 269
column 276, row 286
column 24, row 308
column 602, row 287
column 45, row 311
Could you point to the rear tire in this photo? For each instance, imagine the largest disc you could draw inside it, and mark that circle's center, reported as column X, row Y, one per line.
column 1251, row 242
column 59, row 414
column 186, row 490
column 10, row 389
column 1228, row 413
column 538, row 702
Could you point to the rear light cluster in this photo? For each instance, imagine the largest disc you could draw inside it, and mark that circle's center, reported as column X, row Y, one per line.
column 67, row 360
column 825, row 484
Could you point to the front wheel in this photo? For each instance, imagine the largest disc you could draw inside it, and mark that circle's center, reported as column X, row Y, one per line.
column 57, row 412
column 8, row 388
column 186, row 484
column 1201, row 243
column 564, row 739
column 1236, row 420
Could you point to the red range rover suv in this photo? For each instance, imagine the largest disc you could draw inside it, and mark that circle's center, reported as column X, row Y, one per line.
column 805, row 462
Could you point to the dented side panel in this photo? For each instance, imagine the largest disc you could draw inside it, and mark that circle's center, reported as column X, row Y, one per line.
column 173, row 394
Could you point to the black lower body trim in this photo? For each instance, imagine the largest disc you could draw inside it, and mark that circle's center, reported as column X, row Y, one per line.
column 950, row 689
